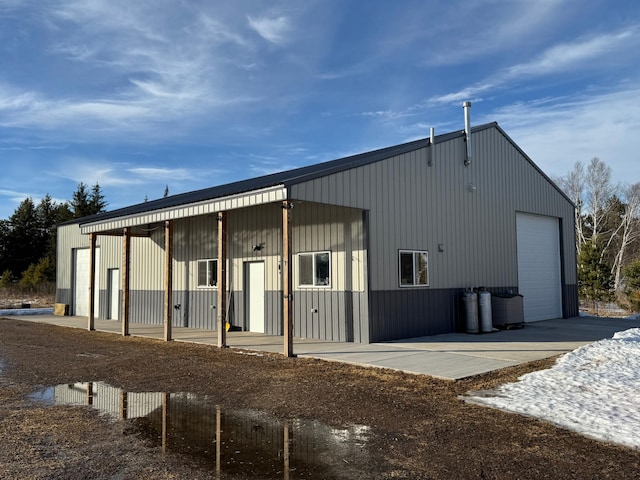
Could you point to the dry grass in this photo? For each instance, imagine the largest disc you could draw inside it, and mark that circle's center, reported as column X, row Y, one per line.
column 16, row 297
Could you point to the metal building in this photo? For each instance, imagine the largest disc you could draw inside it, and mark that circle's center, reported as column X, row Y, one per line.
column 376, row 246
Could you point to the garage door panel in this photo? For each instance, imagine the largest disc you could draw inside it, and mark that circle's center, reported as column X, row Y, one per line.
column 539, row 271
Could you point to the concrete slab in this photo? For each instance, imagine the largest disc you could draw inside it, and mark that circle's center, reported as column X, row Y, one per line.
column 451, row 356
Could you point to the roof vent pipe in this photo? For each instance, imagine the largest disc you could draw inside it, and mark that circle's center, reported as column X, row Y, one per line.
column 467, row 131
column 432, row 138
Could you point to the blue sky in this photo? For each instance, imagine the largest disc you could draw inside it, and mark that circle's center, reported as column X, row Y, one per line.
column 136, row 95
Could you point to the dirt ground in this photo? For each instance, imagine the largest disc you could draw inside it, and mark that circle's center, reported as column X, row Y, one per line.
column 422, row 428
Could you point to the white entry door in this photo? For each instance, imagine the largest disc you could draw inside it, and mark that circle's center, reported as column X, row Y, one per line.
column 114, row 293
column 539, row 274
column 81, row 282
column 254, row 291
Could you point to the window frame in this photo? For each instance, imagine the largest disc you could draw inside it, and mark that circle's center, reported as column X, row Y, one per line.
column 213, row 261
column 313, row 256
column 413, row 253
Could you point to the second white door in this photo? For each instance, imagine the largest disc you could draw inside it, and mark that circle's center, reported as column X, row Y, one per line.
column 254, row 291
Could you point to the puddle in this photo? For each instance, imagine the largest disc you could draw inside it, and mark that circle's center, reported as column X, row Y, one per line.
column 229, row 442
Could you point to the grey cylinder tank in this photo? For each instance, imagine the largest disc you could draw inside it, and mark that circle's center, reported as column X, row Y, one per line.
column 486, row 317
column 470, row 300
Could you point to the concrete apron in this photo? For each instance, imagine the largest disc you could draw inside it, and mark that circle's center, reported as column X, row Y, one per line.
column 450, row 356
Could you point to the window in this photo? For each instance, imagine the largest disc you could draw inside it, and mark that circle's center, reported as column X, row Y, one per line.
column 414, row 268
column 314, row 269
column 207, row 273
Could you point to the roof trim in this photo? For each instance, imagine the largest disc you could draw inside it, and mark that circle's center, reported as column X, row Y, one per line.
column 534, row 165
column 229, row 202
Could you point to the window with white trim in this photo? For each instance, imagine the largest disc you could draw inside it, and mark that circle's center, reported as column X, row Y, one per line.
column 314, row 269
column 207, row 273
column 413, row 268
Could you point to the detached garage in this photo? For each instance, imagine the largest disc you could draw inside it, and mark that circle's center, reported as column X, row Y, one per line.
column 372, row 247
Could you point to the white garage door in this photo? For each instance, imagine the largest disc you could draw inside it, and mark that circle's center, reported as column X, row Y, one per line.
column 81, row 282
column 539, row 266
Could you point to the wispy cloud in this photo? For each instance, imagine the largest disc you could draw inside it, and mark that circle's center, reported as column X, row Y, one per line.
column 153, row 68
column 473, row 30
column 164, row 174
column 578, row 55
column 274, row 29
column 16, row 197
column 557, row 132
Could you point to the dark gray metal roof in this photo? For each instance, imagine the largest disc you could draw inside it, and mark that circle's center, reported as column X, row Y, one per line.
column 286, row 178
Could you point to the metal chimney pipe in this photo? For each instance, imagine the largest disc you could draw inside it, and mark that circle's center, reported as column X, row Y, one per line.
column 467, row 130
column 432, row 139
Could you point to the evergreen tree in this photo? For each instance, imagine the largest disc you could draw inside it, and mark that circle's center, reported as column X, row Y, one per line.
column 594, row 275
column 80, row 201
column 97, row 203
column 632, row 279
column 4, row 245
column 166, row 191
column 28, row 237
column 25, row 240
column 6, row 279
column 85, row 202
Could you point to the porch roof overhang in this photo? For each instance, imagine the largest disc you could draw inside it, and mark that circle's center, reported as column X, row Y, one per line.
column 115, row 223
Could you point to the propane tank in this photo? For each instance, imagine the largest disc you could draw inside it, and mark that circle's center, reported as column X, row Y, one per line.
column 470, row 299
column 486, row 317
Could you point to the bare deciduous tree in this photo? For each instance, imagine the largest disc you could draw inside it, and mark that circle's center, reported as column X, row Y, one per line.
column 598, row 192
column 573, row 185
column 628, row 231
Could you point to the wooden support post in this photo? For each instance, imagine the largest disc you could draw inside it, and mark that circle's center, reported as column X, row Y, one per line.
column 166, row 420
column 92, row 280
column 222, row 279
column 124, row 405
column 286, row 454
column 90, row 393
column 168, row 279
column 126, row 261
column 218, row 441
column 287, row 310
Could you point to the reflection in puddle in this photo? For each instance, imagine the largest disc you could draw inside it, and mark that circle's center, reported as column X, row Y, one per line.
column 230, row 442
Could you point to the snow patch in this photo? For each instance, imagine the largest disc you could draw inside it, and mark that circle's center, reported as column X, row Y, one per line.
column 594, row 390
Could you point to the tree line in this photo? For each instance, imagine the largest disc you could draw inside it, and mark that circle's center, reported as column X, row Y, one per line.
column 607, row 219
column 28, row 236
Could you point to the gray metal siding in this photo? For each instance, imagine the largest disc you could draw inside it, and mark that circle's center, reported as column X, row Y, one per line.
column 273, row 312
column 424, row 206
column 198, row 309
column 147, row 307
column 333, row 316
column 415, row 313
column 64, row 295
